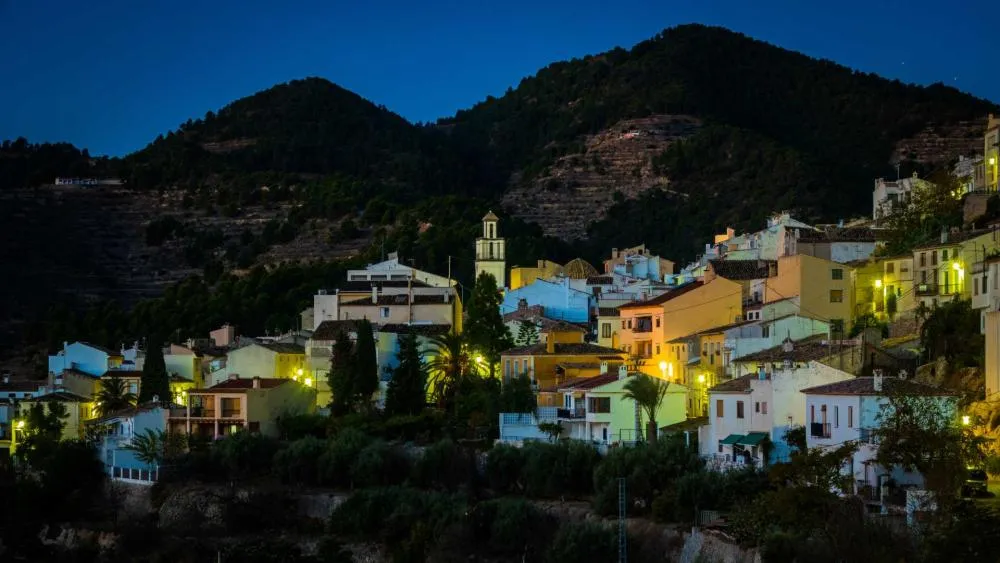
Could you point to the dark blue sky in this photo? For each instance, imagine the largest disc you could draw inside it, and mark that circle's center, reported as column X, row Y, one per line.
column 112, row 74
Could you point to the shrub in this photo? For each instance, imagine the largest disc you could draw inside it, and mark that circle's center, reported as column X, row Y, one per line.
column 504, row 465
column 510, row 527
column 295, row 426
column 335, row 463
column 444, row 465
column 299, row 462
column 582, row 541
column 379, row 464
column 552, row 470
column 649, row 470
column 244, row 455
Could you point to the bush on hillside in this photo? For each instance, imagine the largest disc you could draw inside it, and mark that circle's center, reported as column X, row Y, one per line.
column 341, row 452
column 582, row 541
column 649, row 470
column 504, row 466
column 554, row 470
column 298, row 463
column 380, row 464
column 445, row 466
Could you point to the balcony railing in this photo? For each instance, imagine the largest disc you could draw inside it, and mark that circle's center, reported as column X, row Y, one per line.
column 643, row 328
column 819, row 429
column 927, row 289
column 578, row 412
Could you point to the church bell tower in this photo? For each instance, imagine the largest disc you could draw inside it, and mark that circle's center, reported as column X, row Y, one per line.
column 491, row 250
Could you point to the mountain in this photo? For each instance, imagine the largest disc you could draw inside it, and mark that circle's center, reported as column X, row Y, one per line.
column 694, row 130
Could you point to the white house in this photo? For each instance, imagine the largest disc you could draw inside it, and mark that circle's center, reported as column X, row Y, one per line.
column 889, row 195
column 849, row 411
column 768, row 401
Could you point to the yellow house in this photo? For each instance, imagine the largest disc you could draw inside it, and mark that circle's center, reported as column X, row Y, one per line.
column 521, row 276
column 563, row 356
column 867, row 280
column 823, row 287
column 78, row 409
column 267, row 360
column 940, row 269
column 608, row 323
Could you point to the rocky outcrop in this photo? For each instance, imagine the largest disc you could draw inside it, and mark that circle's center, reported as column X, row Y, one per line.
column 193, row 508
column 942, row 144
column 577, row 189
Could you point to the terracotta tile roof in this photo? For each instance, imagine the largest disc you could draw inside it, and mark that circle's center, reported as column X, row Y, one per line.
column 21, row 385
column 401, row 299
column 686, row 288
column 529, row 312
column 724, row 328
column 738, row 385
column 866, row 386
column 956, row 238
column 243, row 384
column 607, row 312
column 562, row 326
column 565, row 349
column 612, row 366
column 61, row 397
column 741, row 269
column 283, row 347
column 131, row 411
column 812, row 348
column 601, row 280
column 328, row 330
column 582, row 383
column 842, row 234
column 418, row 329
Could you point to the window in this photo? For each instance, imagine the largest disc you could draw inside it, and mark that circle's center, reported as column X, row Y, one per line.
column 567, row 401
column 765, row 331
column 890, row 267
column 384, row 312
column 836, row 296
column 630, row 324
column 836, row 417
column 599, row 405
column 605, row 330
column 657, row 349
column 837, row 273
column 763, row 407
column 657, row 322
column 985, row 285
column 623, row 325
column 739, row 409
column 934, row 258
column 756, row 407
column 923, row 276
column 850, row 417
column 944, row 255
column 923, row 259
column 719, row 411
column 812, row 414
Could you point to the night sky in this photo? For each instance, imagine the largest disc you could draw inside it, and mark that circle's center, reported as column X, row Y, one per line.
column 110, row 75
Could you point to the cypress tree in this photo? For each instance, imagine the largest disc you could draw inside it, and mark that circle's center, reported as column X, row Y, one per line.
column 365, row 381
column 341, row 376
column 407, row 391
column 154, row 381
column 484, row 330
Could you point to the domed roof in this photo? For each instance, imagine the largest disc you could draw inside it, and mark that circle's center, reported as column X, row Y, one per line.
column 579, row 269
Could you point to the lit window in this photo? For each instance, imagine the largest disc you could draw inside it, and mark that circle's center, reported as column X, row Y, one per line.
column 836, row 296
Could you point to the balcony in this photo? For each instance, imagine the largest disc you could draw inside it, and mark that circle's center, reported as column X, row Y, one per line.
column 231, row 413
column 578, row 412
column 927, row 289
column 819, row 429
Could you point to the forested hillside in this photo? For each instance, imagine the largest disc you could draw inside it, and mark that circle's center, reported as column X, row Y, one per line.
column 736, row 129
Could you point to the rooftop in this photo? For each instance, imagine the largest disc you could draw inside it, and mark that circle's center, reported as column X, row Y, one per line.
column 607, row 312
column 742, row 269
column 565, row 349
column 808, row 349
column 866, row 386
column 244, row 384
column 328, row 330
column 61, row 397
column 583, row 383
column 660, row 299
column 418, row 329
column 738, row 385
column 283, row 348
column 401, row 299
column 107, row 351
column 841, row 234
column 367, row 285
column 956, row 238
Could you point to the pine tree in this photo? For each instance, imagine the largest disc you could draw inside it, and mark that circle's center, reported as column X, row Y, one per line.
column 485, row 330
column 365, row 380
column 341, row 376
column 527, row 333
column 407, row 392
column 154, row 382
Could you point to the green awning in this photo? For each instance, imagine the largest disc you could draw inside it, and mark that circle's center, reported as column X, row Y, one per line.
column 732, row 439
column 753, row 439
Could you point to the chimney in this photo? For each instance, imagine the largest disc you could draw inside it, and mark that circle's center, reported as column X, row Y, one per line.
column 374, row 294
column 877, row 380
column 622, row 372
column 604, row 370
column 256, row 382
column 234, row 376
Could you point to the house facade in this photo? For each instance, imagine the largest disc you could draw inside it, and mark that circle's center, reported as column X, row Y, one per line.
column 254, row 405
column 851, row 411
column 116, row 433
column 822, row 286
column 85, row 357
column 556, row 296
column 265, row 360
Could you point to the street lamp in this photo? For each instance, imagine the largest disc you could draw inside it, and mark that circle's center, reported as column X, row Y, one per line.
column 663, row 369
column 966, row 420
column 309, row 382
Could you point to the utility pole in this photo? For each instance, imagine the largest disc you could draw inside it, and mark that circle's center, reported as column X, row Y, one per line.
column 622, row 528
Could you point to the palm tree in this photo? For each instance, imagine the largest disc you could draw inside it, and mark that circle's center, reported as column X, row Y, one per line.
column 648, row 394
column 148, row 446
column 452, row 363
column 113, row 396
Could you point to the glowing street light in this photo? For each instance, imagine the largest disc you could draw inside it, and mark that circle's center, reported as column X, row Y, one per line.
column 663, row 368
column 20, row 425
column 309, row 382
column 701, row 378
column 956, row 266
column 966, row 420
column 878, row 284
